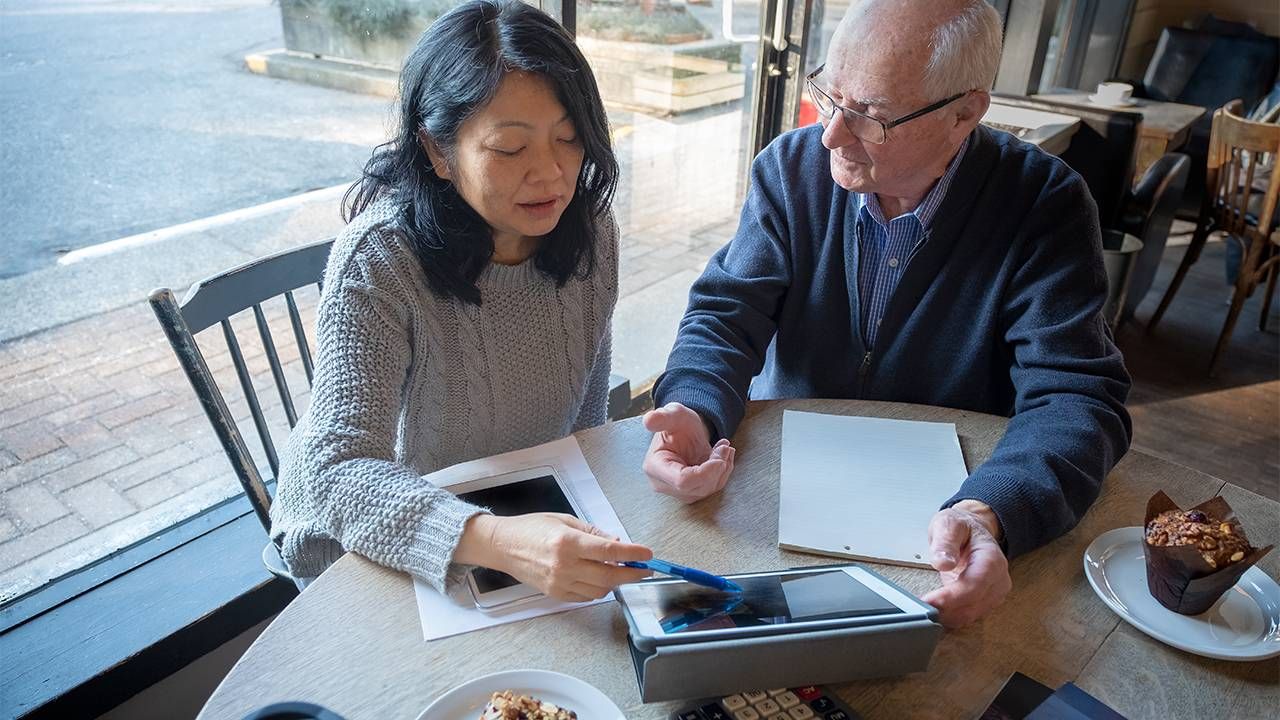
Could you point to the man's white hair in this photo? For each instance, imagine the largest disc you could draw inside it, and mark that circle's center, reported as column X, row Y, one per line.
column 966, row 52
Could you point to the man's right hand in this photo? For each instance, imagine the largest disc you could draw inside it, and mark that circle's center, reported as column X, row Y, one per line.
column 681, row 461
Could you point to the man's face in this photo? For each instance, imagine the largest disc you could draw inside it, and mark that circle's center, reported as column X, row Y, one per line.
column 877, row 68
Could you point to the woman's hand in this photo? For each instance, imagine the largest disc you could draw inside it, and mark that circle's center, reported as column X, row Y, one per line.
column 560, row 555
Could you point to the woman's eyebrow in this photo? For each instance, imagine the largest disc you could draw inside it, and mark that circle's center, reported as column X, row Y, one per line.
column 523, row 124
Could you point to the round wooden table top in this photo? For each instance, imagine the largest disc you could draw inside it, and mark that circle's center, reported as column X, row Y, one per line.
column 352, row 641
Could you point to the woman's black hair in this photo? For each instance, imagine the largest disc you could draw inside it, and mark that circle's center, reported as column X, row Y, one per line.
column 454, row 71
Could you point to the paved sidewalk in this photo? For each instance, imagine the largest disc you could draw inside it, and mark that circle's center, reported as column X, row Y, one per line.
column 102, row 442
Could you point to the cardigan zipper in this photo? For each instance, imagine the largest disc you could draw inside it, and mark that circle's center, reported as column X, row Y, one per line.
column 862, row 372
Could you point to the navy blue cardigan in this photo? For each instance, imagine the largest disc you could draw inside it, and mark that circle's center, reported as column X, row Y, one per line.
column 998, row 311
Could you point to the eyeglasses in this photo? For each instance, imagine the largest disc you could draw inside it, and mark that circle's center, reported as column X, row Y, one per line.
column 865, row 127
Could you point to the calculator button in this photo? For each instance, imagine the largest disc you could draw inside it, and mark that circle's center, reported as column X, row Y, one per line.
column 690, row 715
column 807, row 693
column 734, row 702
column 780, row 716
column 747, row 713
column 822, row 704
column 754, row 696
column 767, row 707
column 776, row 693
column 713, row 711
column 837, row 715
column 787, row 699
column 801, row 712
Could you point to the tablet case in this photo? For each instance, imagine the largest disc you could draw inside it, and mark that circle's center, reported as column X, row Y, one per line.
column 723, row 667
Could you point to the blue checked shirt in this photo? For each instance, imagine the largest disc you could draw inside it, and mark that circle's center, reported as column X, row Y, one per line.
column 885, row 246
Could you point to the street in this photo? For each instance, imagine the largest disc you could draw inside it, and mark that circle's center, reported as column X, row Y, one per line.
column 124, row 116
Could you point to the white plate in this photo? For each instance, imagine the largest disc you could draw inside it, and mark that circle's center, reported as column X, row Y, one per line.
column 1243, row 625
column 466, row 701
column 1111, row 103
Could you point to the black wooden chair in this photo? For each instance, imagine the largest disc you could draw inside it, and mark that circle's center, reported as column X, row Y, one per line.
column 214, row 301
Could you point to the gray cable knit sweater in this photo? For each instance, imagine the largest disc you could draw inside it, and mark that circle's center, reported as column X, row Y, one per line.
column 407, row 383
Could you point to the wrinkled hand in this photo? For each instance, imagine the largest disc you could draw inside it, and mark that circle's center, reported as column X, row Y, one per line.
column 974, row 570
column 681, row 461
column 560, row 555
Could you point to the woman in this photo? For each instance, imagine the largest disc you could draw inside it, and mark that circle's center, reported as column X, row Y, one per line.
column 465, row 312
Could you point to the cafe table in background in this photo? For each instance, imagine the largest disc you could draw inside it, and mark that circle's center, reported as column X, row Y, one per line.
column 352, row 641
column 1165, row 125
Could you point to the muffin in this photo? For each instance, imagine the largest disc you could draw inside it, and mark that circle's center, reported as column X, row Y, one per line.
column 1220, row 542
column 1194, row 556
column 506, row 705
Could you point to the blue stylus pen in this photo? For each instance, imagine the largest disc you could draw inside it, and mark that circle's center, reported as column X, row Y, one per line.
column 697, row 577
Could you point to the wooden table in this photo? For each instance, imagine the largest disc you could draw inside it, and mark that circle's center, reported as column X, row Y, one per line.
column 1165, row 125
column 353, row 643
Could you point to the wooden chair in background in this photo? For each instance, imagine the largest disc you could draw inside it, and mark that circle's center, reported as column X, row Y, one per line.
column 1242, row 183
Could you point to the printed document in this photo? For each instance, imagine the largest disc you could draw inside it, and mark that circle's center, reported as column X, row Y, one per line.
column 443, row 616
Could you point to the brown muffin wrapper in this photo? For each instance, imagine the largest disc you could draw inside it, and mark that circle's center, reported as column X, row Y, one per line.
column 1178, row 576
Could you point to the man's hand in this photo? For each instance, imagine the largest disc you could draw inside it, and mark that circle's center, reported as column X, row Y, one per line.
column 966, row 550
column 681, row 461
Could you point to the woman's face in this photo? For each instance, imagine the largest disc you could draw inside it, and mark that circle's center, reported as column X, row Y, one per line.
column 516, row 161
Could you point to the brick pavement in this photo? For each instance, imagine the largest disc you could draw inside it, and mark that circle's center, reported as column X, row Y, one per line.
column 102, row 442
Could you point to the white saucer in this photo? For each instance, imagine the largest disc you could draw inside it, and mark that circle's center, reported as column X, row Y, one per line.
column 1123, row 103
column 1243, row 625
column 466, row 701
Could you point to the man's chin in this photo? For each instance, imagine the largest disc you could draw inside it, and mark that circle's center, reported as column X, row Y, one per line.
column 851, row 176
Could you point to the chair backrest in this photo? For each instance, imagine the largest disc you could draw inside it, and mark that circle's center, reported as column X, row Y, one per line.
column 1104, row 150
column 1150, row 216
column 214, row 301
column 1243, row 174
column 1208, row 69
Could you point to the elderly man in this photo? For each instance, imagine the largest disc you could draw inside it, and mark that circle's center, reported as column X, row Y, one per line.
column 903, row 252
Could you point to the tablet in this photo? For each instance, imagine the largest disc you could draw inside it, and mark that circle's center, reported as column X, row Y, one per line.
column 674, row 611
column 536, row 489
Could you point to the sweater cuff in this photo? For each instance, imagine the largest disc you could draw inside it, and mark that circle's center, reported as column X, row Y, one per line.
column 434, row 540
column 708, row 406
column 1013, row 510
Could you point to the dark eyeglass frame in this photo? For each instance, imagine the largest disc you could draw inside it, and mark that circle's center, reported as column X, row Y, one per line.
column 819, row 95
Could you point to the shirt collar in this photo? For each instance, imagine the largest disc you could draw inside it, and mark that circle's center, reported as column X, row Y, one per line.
column 928, row 207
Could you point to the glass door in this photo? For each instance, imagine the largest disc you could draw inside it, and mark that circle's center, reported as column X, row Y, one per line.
column 676, row 77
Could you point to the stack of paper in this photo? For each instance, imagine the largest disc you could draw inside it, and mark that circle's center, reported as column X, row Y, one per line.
column 865, row 488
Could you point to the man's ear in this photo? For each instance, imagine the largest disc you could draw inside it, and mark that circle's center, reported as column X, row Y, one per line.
column 438, row 163
column 971, row 109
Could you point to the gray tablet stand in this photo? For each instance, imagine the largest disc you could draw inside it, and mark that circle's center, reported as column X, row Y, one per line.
column 722, row 667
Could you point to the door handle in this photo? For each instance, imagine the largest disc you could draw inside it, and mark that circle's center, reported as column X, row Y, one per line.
column 779, row 33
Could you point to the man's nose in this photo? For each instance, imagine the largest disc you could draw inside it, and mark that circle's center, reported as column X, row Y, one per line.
column 835, row 134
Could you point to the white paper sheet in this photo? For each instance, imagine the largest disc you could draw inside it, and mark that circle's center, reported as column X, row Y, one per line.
column 865, row 488
column 443, row 616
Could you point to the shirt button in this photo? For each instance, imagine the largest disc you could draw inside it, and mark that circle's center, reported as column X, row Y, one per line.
column 893, row 262
column 878, row 321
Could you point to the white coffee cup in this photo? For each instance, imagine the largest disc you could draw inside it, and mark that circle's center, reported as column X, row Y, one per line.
column 1114, row 93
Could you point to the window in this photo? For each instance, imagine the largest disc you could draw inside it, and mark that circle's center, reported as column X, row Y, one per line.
column 157, row 144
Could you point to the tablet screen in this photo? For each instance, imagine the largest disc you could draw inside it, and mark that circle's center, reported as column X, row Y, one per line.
column 765, row 600
column 540, row 494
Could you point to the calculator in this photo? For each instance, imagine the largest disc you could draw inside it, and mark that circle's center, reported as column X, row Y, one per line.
column 811, row 702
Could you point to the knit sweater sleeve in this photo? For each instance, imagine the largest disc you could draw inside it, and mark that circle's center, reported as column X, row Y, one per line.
column 595, row 404
column 341, row 462
column 1069, row 427
column 604, row 282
